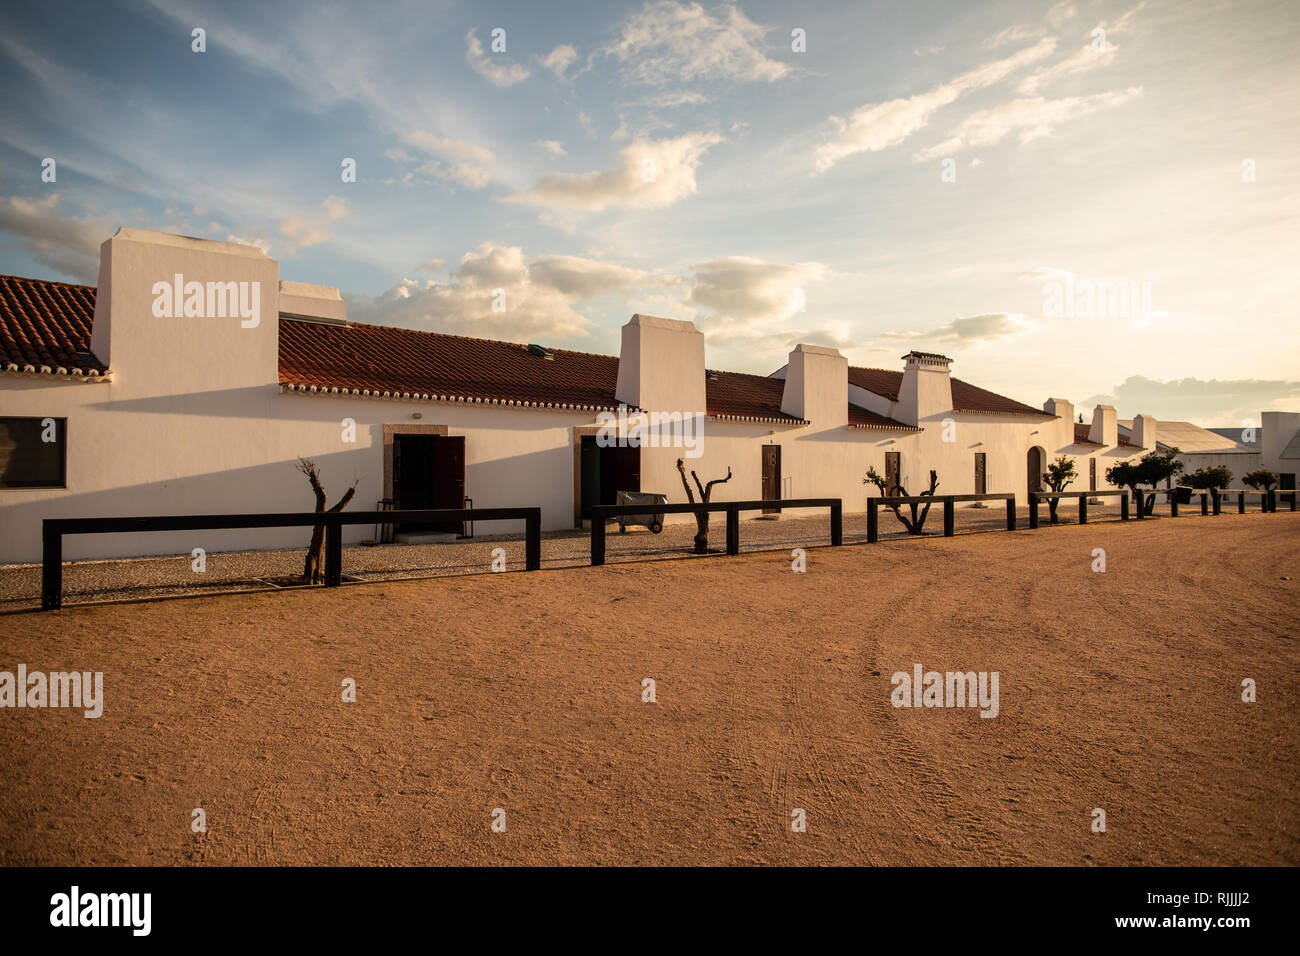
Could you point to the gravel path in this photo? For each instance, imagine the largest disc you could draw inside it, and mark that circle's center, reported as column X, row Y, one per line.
column 136, row 578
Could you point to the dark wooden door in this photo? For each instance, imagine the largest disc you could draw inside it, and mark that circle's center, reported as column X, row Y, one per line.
column 1035, row 462
column 771, row 476
column 893, row 467
column 429, row 472
column 981, row 478
column 412, row 474
column 449, row 479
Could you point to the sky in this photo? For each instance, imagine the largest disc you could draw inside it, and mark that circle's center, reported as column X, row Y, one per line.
column 1090, row 200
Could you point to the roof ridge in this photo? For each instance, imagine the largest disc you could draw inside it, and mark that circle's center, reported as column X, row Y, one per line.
column 75, row 285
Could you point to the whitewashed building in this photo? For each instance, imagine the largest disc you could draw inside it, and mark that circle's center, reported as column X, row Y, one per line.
column 192, row 379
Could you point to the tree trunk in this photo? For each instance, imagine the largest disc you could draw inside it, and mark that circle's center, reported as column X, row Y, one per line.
column 312, row 571
column 702, row 515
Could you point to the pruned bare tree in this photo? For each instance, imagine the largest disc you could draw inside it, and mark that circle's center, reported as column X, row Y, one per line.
column 916, row 523
column 702, row 515
column 312, row 572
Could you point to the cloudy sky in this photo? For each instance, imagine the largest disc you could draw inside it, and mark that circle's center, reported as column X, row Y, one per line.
column 981, row 179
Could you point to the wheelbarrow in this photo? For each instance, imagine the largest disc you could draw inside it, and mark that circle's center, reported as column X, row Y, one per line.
column 652, row 520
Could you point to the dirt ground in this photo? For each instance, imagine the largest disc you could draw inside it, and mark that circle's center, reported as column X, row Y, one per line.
column 523, row 691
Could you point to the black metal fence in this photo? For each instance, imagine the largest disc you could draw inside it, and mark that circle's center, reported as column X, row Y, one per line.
column 1036, row 497
column 949, row 512
column 600, row 514
column 53, row 531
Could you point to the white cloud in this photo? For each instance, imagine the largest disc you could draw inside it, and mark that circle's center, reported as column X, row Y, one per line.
column 539, row 296
column 750, row 305
column 303, row 231
column 1032, row 118
column 491, row 66
column 1014, row 34
column 257, row 242
column 1060, row 13
column 1081, row 60
column 666, row 42
column 583, row 278
column 453, row 160
column 650, row 174
column 441, row 146
column 560, row 59
column 878, row 126
column 69, row 246
column 988, row 327
column 553, row 146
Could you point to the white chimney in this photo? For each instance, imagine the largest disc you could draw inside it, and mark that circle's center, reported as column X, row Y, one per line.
column 817, row 386
column 1104, row 429
column 1060, row 408
column 319, row 303
column 661, row 366
column 926, row 391
column 1143, row 433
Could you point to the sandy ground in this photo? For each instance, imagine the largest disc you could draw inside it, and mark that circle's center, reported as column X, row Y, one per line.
column 1118, row 690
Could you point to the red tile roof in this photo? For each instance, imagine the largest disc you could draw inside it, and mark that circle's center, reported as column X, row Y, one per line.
column 965, row 397
column 1081, row 434
column 45, row 327
column 380, row 360
column 737, row 396
column 863, row 418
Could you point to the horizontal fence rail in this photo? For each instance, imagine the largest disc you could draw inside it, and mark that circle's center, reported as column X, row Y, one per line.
column 1038, row 496
column 600, row 514
column 949, row 512
column 54, row 529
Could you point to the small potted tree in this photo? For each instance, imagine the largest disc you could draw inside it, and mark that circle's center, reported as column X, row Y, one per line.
column 1209, row 479
column 1058, row 476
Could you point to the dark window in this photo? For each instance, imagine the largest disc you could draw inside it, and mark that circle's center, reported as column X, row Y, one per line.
column 33, row 452
column 1092, row 474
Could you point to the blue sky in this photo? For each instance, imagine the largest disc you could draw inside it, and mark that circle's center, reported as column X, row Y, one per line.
column 919, row 175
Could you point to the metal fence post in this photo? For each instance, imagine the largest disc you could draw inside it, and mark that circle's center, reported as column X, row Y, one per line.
column 733, row 530
column 948, row 516
column 1272, row 500
column 1083, row 509
column 1241, row 502
column 1011, row 513
column 1218, row 507
column 1123, row 507
column 1173, row 504
column 1033, row 510
column 837, row 523
column 597, row 537
column 51, row 570
column 533, row 540
column 873, row 522
column 1205, row 503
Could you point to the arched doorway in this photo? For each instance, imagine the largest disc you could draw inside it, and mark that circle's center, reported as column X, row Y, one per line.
column 1035, row 467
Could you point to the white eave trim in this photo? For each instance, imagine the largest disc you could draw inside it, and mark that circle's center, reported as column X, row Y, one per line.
column 81, row 374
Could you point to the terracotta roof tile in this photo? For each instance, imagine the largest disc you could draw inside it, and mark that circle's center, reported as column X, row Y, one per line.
column 380, row 359
column 45, row 326
column 1081, row 434
column 965, row 397
column 864, row 418
column 742, row 397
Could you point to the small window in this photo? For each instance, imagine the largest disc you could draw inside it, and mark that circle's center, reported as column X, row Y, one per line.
column 33, row 452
